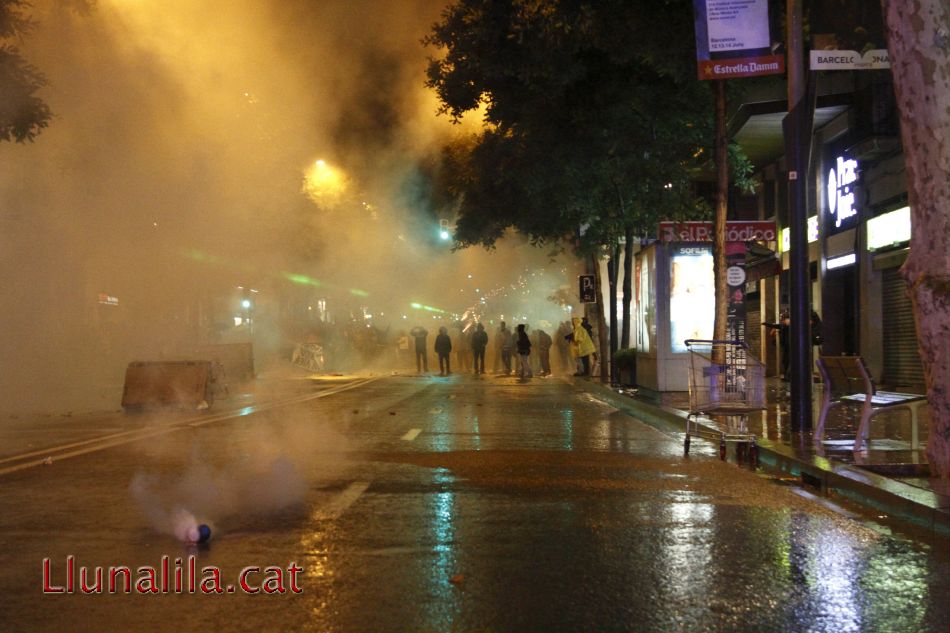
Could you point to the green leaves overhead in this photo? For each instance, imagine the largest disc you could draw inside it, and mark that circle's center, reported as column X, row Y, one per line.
column 22, row 114
column 593, row 115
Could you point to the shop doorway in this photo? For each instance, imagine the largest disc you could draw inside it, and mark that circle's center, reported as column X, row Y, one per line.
column 840, row 311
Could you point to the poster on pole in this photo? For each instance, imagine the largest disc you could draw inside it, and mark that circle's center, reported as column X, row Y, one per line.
column 737, row 38
column 847, row 35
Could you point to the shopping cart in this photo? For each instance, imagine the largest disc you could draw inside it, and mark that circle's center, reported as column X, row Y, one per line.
column 726, row 384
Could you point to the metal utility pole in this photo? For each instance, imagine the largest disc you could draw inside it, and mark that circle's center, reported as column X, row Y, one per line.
column 798, row 136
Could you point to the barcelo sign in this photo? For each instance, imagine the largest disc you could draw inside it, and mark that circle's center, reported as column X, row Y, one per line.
column 737, row 231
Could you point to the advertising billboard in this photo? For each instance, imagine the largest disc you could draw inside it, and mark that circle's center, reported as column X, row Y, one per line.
column 737, row 38
column 692, row 295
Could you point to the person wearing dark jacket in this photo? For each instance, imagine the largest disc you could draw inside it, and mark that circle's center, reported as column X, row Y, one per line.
column 479, row 343
column 590, row 332
column 443, row 347
column 523, row 345
column 817, row 338
column 503, row 347
column 587, row 326
column 544, row 352
column 422, row 356
column 781, row 330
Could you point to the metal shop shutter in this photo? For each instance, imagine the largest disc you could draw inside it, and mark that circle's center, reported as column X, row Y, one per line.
column 902, row 366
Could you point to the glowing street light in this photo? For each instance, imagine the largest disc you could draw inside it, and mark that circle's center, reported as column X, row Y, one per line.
column 324, row 184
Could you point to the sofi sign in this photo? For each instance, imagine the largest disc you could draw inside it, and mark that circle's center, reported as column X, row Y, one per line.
column 840, row 187
column 737, row 231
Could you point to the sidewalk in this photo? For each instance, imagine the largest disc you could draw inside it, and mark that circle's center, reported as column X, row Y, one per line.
column 888, row 479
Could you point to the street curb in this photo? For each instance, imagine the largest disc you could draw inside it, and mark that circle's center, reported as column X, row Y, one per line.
column 915, row 506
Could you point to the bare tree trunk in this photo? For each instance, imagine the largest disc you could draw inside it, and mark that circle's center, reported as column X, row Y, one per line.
column 627, row 285
column 719, row 232
column 601, row 322
column 919, row 43
column 612, row 269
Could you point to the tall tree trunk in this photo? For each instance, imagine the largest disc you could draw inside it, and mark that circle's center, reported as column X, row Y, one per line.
column 719, row 232
column 601, row 321
column 627, row 285
column 612, row 269
column 919, row 43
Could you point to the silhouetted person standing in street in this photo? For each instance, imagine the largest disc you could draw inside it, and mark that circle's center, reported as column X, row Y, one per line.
column 443, row 347
column 581, row 346
column 562, row 340
column 479, row 343
column 817, row 337
column 463, row 348
column 593, row 356
column 587, row 326
column 422, row 356
column 503, row 344
column 523, row 344
column 544, row 352
column 782, row 330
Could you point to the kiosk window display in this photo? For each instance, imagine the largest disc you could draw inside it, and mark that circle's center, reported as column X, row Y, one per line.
column 692, row 295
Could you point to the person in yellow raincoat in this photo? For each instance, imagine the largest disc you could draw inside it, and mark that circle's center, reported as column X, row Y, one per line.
column 581, row 345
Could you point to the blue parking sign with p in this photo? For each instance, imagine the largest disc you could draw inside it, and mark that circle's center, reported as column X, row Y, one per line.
column 588, row 289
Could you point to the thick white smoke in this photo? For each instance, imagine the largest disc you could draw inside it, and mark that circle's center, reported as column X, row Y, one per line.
column 173, row 171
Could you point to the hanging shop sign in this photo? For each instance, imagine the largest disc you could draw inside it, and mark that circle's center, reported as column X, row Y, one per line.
column 735, row 38
column 736, row 231
column 786, row 241
column 841, row 203
column 847, row 35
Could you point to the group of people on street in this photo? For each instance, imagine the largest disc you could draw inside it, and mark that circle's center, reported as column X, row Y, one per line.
column 512, row 350
column 474, row 344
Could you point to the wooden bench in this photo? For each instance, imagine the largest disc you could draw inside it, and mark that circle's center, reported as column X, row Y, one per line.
column 848, row 381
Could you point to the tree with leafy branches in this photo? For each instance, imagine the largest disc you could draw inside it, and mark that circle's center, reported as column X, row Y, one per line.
column 593, row 119
column 22, row 114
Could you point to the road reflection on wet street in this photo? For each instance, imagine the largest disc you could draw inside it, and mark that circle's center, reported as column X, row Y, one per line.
column 451, row 504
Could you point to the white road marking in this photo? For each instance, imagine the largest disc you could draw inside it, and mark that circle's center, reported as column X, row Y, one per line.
column 338, row 505
column 96, row 444
column 411, row 434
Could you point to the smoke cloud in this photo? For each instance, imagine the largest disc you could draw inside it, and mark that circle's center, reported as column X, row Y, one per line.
column 182, row 165
column 264, row 468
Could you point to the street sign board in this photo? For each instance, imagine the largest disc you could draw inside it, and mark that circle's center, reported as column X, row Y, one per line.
column 587, row 288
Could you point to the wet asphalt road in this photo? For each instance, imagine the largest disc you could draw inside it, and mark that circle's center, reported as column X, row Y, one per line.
column 451, row 504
